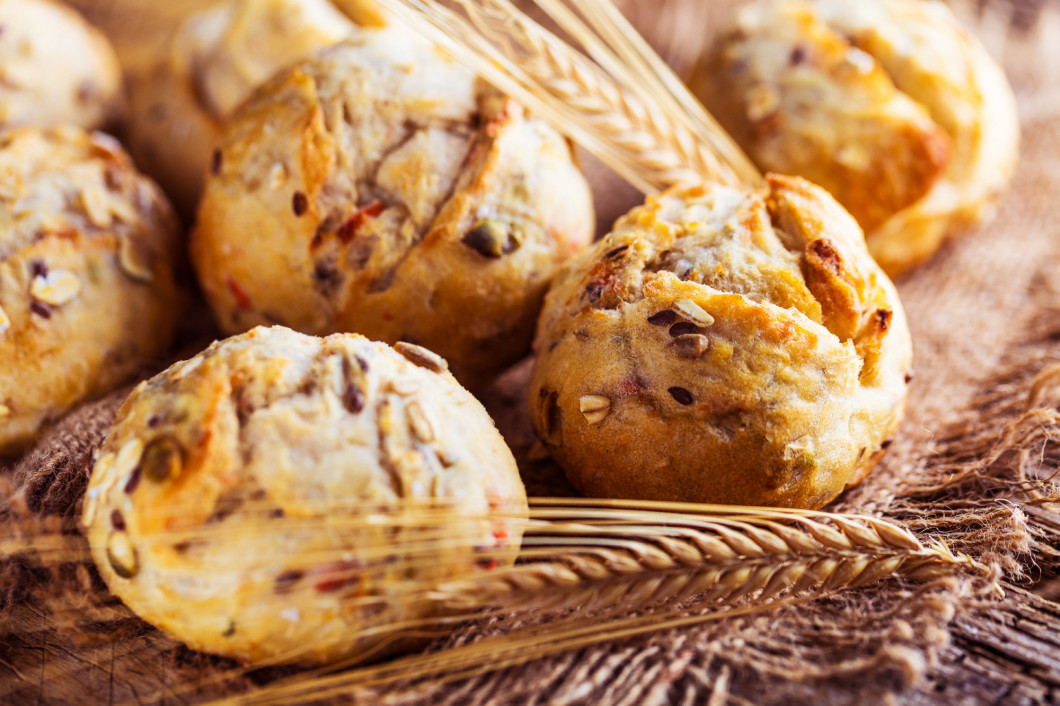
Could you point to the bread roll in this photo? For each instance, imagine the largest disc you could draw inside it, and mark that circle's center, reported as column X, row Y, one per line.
column 90, row 256
column 209, row 66
column 722, row 346
column 888, row 104
column 55, row 68
column 259, row 501
column 380, row 188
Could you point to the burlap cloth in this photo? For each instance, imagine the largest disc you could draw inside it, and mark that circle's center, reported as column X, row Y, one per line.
column 973, row 465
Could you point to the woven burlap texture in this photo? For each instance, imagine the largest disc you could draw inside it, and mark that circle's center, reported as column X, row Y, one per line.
column 972, row 465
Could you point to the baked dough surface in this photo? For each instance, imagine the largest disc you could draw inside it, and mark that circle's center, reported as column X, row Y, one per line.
column 382, row 189
column 209, row 66
column 89, row 261
column 887, row 104
column 55, row 68
column 722, row 346
column 254, row 501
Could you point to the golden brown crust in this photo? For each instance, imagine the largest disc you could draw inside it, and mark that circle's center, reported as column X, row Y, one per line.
column 319, row 432
column 722, row 346
column 886, row 103
column 802, row 100
column 390, row 193
column 366, row 13
column 55, row 68
column 211, row 64
column 88, row 253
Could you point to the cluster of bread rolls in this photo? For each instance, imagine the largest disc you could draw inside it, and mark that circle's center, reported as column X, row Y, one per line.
column 342, row 178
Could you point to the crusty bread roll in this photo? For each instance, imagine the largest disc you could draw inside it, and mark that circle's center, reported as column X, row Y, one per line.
column 89, row 256
column 210, row 65
column 383, row 189
column 249, row 501
column 888, row 104
column 722, row 346
column 55, row 68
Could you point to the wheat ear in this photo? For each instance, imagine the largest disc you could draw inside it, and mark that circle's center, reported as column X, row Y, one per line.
column 732, row 562
column 614, row 115
column 608, row 37
column 632, row 566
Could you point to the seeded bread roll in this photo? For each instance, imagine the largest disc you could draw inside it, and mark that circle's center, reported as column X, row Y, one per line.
column 241, row 500
column 380, row 188
column 88, row 249
column 55, row 68
column 722, row 346
column 887, row 104
column 211, row 64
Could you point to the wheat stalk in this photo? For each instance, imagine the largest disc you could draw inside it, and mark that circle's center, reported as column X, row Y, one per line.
column 689, row 533
column 738, row 562
column 583, row 545
column 584, row 561
column 616, row 45
column 617, row 116
column 590, row 562
column 484, row 656
column 722, row 560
